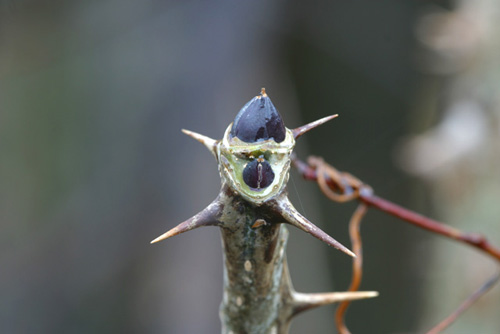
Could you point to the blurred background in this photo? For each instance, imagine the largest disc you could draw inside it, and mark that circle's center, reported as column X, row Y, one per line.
column 93, row 95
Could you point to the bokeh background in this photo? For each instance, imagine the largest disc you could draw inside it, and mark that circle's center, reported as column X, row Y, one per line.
column 93, row 165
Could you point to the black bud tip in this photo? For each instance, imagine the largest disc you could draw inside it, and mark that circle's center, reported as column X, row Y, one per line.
column 258, row 174
column 259, row 120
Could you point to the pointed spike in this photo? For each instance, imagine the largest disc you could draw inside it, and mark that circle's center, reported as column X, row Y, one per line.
column 297, row 132
column 305, row 301
column 293, row 217
column 207, row 141
column 259, row 223
column 207, row 217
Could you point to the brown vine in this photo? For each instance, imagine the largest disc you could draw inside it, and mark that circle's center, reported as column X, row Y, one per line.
column 342, row 187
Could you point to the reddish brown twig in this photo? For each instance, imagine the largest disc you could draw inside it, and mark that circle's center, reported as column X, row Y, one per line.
column 342, row 187
column 432, row 225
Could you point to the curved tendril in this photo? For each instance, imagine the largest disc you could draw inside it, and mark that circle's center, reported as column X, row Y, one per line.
column 330, row 180
column 357, row 264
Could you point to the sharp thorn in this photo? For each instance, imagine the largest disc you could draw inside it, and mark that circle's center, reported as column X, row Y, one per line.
column 207, row 217
column 305, row 301
column 297, row 132
column 207, row 141
column 293, row 217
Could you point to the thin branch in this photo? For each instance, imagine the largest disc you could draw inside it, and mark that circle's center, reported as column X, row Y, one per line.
column 465, row 305
column 341, row 187
column 365, row 194
column 472, row 239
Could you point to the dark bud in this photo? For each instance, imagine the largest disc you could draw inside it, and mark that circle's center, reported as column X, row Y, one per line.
column 259, row 120
column 258, row 174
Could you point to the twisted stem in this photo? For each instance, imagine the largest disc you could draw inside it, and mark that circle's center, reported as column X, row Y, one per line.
column 343, row 187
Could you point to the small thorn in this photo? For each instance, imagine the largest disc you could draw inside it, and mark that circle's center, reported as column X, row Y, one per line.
column 207, row 217
column 297, row 132
column 259, row 223
column 170, row 233
column 207, row 141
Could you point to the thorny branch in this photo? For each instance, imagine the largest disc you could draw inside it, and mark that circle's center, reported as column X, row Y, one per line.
column 254, row 158
column 343, row 187
column 251, row 210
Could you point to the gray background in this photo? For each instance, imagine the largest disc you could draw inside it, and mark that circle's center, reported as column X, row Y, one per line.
column 93, row 165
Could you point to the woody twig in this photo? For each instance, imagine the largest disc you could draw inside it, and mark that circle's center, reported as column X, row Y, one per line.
column 342, row 187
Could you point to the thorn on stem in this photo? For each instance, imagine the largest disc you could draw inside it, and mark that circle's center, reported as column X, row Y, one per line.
column 259, row 223
column 207, row 217
column 291, row 216
column 207, row 141
column 297, row 132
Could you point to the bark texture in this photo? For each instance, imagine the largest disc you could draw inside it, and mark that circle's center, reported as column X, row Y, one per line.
column 258, row 293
